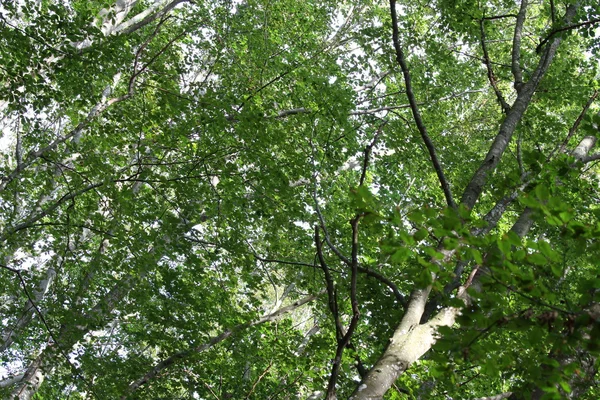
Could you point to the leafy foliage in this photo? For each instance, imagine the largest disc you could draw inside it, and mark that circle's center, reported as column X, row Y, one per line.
column 242, row 199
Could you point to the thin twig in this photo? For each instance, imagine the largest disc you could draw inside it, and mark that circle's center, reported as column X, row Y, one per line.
column 500, row 17
column 330, row 244
column 369, row 272
column 262, row 375
column 367, row 153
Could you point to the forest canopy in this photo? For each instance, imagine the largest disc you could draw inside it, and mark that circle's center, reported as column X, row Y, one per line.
column 276, row 199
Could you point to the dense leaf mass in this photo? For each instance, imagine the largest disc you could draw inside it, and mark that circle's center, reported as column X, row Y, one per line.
column 299, row 199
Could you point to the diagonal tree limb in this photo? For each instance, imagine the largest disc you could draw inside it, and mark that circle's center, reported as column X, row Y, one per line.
column 67, row 337
column 74, row 133
column 100, row 107
column 70, row 334
column 509, row 124
column 412, row 339
column 35, row 370
column 515, row 65
column 592, row 157
column 33, row 219
column 564, row 29
column 184, row 354
column 31, row 302
column 573, row 129
column 257, row 381
column 145, row 17
column 9, row 334
column 415, row 109
column 490, row 72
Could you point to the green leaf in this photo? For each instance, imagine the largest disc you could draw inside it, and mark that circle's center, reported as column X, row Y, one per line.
column 504, row 246
column 547, row 251
column 400, row 255
column 556, row 270
column 542, row 193
column 536, row 259
column 565, row 386
column 420, row 234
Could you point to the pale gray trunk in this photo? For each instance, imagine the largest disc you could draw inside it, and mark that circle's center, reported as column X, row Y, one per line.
column 411, row 340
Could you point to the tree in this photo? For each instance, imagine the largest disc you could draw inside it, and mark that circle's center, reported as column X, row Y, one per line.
column 278, row 199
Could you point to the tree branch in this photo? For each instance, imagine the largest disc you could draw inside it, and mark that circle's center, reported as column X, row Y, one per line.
column 29, row 308
column 573, row 129
column 509, row 124
column 590, row 158
column 415, row 109
column 330, row 244
column 24, row 389
column 331, row 292
column 364, row 270
column 516, row 49
column 182, row 355
column 500, row 396
column 333, row 308
column 367, row 154
column 563, row 29
column 490, row 72
column 73, row 134
column 145, row 17
column 48, row 210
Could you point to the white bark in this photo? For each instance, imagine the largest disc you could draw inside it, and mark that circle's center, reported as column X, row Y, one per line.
column 11, row 380
column 411, row 340
column 407, row 345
